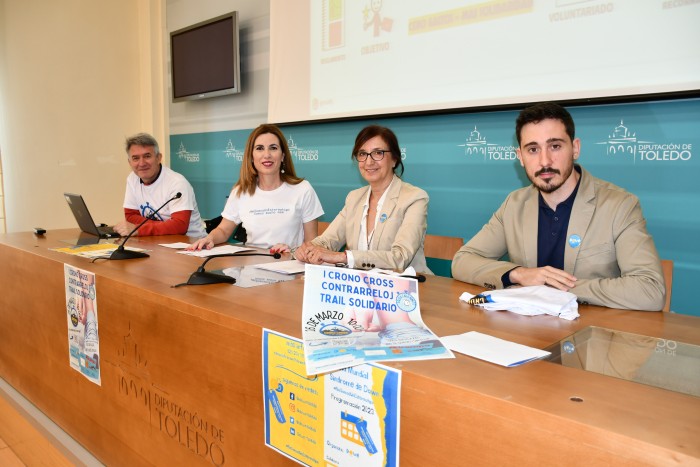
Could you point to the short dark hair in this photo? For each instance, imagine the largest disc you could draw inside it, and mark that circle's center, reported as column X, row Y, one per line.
column 542, row 111
column 142, row 139
column 389, row 138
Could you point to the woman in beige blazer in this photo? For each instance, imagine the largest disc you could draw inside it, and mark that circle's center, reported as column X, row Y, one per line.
column 382, row 225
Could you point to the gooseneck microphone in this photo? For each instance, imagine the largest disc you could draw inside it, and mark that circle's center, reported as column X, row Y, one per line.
column 202, row 277
column 121, row 253
column 418, row 277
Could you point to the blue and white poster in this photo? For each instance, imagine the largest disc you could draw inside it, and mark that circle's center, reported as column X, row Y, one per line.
column 351, row 317
column 81, row 312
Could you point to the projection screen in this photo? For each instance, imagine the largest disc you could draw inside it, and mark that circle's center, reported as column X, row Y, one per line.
column 333, row 59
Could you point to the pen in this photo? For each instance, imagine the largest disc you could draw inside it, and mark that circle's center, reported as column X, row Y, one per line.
column 479, row 299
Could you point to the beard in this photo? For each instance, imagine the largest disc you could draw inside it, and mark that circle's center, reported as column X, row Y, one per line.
column 552, row 185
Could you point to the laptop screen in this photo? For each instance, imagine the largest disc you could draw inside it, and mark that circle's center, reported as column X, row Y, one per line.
column 82, row 215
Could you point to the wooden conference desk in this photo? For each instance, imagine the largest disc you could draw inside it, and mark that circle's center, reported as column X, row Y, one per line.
column 174, row 360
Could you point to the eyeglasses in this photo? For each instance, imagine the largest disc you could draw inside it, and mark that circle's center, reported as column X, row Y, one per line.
column 375, row 154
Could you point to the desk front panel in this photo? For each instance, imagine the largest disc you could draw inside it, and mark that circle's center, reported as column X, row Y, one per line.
column 182, row 379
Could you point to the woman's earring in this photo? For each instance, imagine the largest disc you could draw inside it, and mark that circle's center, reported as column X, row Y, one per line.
column 282, row 168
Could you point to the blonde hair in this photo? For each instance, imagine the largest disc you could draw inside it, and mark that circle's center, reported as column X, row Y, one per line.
column 248, row 178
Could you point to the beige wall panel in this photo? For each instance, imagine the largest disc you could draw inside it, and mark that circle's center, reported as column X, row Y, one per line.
column 76, row 77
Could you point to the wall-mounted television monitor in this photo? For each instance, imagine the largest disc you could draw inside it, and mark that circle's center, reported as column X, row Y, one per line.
column 205, row 59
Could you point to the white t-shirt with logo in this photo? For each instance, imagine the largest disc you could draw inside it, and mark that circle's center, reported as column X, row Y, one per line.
column 148, row 198
column 276, row 216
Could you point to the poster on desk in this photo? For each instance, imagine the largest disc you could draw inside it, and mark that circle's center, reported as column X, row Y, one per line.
column 351, row 317
column 347, row 417
column 81, row 311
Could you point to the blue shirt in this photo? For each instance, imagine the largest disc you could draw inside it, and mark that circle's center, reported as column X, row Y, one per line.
column 551, row 231
column 552, row 226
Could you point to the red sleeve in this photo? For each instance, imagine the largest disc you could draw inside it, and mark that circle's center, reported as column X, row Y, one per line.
column 178, row 224
column 133, row 216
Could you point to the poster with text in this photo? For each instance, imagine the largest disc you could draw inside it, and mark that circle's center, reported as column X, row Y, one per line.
column 344, row 418
column 81, row 310
column 351, row 317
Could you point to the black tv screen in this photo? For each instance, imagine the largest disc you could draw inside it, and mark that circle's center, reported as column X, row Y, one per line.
column 205, row 59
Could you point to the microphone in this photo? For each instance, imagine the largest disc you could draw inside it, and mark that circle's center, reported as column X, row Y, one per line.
column 419, row 277
column 202, row 277
column 121, row 253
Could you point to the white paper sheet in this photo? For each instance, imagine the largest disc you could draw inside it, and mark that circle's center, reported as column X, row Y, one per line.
column 283, row 267
column 217, row 250
column 176, row 245
column 492, row 349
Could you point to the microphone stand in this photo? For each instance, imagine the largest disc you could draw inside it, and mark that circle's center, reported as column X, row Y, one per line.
column 121, row 253
column 202, row 277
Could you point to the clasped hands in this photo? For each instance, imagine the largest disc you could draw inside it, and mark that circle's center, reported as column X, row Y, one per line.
column 546, row 275
column 314, row 254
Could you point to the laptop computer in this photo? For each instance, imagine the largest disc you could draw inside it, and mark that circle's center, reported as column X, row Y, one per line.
column 82, row 216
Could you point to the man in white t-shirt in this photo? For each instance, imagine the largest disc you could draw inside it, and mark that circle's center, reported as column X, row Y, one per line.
column 149, row 187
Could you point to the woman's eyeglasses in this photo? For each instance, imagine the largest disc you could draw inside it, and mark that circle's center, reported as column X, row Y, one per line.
column 375, row 154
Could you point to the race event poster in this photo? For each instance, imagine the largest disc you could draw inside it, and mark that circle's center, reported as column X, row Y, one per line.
column 347, row 417
column 351, row 317
column 81, row 310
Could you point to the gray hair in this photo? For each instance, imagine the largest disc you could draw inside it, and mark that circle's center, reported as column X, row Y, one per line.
column 142, row 139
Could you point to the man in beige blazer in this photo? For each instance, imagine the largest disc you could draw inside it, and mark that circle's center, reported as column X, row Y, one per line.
column 568, row 230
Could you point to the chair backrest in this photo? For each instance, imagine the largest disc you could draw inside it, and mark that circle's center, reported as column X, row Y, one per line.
column 667, row 267
column 437, row 246
column 322, row 226
column 439, row 252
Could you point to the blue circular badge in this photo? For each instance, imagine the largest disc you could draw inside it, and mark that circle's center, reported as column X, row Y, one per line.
column 568, row 347
column 574, row 241
column 406, row 302
column 382, row 218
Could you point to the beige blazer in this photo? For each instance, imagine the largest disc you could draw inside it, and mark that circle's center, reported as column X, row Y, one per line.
column 616, row 263
column 398, row 235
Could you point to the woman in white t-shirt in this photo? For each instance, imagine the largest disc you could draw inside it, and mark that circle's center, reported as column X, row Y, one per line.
column 279, row 210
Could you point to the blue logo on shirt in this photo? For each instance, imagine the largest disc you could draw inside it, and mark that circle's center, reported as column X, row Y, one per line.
column 574, row 241
column 382, row 218
column 148, row 211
